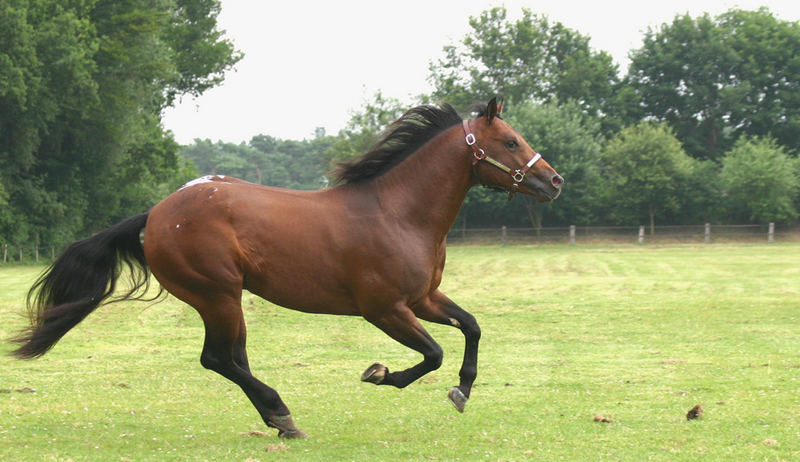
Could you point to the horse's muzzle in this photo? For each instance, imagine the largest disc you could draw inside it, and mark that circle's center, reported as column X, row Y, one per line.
column 545, row 190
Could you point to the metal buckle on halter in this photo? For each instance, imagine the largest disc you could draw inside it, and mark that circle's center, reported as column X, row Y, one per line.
column 479, row 156
column 470, row 138
column 518, row 176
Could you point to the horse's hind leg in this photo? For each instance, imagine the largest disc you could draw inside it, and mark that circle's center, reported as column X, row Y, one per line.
column 442, row 310
column 240, row 347
column 401, row 324
column 224, row 352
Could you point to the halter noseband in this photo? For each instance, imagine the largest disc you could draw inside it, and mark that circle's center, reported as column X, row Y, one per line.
column 479, row 154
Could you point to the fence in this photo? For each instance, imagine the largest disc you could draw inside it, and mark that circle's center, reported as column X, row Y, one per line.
column 707, row 233
column 23, row 253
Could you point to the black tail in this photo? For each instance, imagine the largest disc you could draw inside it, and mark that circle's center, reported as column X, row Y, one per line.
column 81, row 279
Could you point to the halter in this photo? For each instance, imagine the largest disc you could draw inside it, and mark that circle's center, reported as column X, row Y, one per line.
column 479, row 154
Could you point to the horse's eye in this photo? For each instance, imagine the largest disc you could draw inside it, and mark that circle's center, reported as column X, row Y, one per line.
column 512, row 144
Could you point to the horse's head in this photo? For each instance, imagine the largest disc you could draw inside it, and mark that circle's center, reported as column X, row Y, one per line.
column 502, row 158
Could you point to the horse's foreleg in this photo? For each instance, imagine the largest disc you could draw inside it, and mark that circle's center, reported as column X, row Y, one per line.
column 442, row 310
column 401, row 325
column 224, row 352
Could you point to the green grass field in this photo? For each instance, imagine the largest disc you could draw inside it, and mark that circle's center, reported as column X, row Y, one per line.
column 637, row 334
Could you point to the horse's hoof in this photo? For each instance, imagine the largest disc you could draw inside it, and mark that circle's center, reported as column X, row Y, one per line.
column 457, row 398
column 291, row 434
column 285, row 426
column 375, row 373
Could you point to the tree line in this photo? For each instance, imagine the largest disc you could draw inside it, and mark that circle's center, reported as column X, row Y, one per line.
column 703, row 126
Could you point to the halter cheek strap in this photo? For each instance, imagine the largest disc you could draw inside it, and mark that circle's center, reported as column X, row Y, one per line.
column 478, row 154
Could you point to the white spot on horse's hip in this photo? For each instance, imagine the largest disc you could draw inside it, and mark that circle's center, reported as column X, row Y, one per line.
column 196, row 181
column 205, row 179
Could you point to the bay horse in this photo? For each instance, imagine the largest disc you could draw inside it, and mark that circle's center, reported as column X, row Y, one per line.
column 372, row 246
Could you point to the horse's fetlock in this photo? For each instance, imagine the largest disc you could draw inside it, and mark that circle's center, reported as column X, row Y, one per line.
column 468, row 373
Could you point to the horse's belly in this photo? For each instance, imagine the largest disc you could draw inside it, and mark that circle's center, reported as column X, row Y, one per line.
column 301, row 293
column 297, row 269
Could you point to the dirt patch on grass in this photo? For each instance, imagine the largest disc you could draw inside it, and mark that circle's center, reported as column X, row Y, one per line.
column 277, row 447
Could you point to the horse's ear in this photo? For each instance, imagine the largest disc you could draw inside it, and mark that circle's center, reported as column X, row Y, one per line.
column 500, row 106
column 491, row 110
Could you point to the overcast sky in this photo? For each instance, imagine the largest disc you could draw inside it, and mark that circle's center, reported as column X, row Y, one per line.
column 311, row 63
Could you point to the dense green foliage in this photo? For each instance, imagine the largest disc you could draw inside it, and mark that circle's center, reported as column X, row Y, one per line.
column 265, row 160
column 716, row 79
column 527, row 59
column 82, row 87
column 759, row 181
column 646, row 170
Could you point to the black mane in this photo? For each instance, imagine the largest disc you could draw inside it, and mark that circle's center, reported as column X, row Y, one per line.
column 403, row 137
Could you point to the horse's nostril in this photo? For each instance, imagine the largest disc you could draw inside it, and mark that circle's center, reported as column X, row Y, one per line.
column 557, row 181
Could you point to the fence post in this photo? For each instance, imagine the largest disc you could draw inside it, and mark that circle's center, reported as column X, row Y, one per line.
column 641, row 234
column 5, row 253
column 504, row 234
column 771, row 232
column 572, row 234
column 36, row 252
column 52, row 253
column 708, row 233
column 20, row 253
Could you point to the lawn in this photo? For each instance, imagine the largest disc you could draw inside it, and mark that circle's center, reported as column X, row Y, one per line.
column 636, row 334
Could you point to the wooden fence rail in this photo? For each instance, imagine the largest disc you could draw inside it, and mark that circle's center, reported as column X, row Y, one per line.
column 25, row 253
column 573, row 234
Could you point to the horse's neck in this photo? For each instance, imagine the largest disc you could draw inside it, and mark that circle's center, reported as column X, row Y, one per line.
column 427, row 189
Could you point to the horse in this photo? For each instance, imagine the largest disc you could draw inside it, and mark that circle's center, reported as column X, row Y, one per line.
column 371, row 246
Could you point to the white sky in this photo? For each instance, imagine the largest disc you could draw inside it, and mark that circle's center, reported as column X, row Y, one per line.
column 311, row 63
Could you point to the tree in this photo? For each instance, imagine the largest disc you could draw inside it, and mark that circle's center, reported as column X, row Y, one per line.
column 760, row 181
column 264, row 160
column 86, row 84
column 202, row 54
column 46, row 70
column 645, row 170
column 202, row 154
column 701, row 198
column 715, row 79
column 151, row 169
column 527, row 59
column 764, row 99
